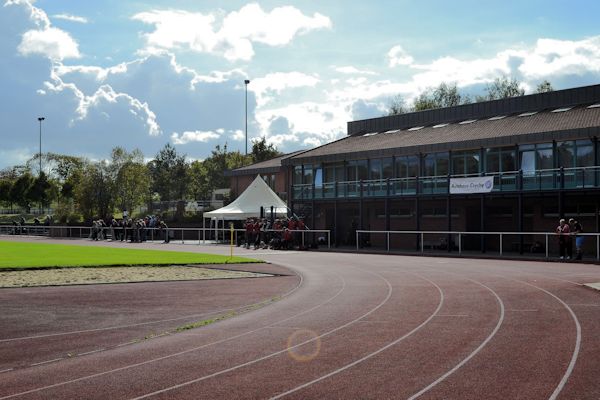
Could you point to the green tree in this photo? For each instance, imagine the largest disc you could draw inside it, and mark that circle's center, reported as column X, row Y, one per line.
column 93, row 193
column 198, row 181
column 131, row 178
column 544, row 87
column 5, row 187
column 397, row 105
column 40, row 190
column 19, row 192
column 168, row 172
column 502, row 88
column 445, row 95
column 261, row 151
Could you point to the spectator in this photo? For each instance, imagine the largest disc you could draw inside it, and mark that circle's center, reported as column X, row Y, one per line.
column 576, row 229
column 564, row 239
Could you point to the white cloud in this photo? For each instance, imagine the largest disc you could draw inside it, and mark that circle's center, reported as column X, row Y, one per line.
column 398, row 56
column 51, row 42
column 194, row 136
column 353, row 70
column 276, row 82
column 560, row 57
column 238, row 135
column 238, row 30
column 71, row 18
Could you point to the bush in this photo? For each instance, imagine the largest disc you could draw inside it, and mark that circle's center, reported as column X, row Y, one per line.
column 74, row 219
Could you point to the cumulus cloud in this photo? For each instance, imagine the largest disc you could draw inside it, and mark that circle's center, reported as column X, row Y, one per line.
column 194, row 136
column 50, row 42
column 274, row 83
column 232, row 36
column 353, row 70
column 398, row 56
column 71, row 18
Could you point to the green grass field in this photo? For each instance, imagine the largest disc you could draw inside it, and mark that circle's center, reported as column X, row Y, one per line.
column 36, row 255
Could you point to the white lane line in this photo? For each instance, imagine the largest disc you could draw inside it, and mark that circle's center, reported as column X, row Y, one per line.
column 90, row 352
column 451, row 315
column 45, row 362
column 474, row 352
column 186, row 351
column 6, row 370
column 569, row 370
column 268, row 356
column 370, row 355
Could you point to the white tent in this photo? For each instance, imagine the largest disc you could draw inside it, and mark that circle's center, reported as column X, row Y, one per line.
column 248, row 204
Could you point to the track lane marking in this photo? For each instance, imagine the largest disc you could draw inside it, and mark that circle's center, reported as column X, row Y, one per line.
column 382, row 349
column 185, row 351
column 287, row 349
column 46, row 362
column 474, row 352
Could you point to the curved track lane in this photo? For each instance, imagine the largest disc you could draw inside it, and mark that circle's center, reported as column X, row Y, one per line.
column 367, row 326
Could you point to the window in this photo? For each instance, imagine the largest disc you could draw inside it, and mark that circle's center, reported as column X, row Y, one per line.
column 465, row 162
column 575, row 153
column 357, row 170
column 407, row 167
column 333, row 172
column 375, row 169
column 436, row 164
column 535, row 157
column 308, row 175
column 318, row 176
column 387, row 168
column 297, row 174
column 500, row 159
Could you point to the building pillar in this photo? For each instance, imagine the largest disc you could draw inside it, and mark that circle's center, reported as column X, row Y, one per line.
column 520, row 221
column 482, row 222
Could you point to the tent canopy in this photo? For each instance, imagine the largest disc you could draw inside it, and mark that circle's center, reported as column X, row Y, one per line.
column 248, row 204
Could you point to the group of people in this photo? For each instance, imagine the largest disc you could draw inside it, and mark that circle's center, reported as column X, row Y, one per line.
column 274, row 234
column 566, row 232
column 129, row 229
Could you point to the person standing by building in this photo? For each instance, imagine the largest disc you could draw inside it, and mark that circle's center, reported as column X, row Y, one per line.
column 564, row 239
column 576, row 229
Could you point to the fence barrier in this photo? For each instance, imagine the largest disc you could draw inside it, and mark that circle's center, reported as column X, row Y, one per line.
column 189, row 235
column 528, row 244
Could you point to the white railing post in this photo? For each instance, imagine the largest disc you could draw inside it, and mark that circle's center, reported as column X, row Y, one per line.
column 329, row 239
column 303, row 239
column 388, row 240
column 203, row 235
column 598, row 247
column 500, row 244
column 182, row 242
column 459, row 244
column 356, row 240
column 422, row 245
column 547, row 250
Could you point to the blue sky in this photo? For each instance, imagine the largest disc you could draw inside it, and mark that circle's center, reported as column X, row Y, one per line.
column 143, row 74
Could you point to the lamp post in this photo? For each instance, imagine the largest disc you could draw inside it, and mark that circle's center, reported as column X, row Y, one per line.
column 41, row 119
column 246, row 82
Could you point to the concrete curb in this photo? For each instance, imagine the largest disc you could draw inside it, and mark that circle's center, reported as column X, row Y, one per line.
column 595, row 286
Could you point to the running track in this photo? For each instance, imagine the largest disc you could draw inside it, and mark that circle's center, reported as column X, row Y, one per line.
column 348, row 326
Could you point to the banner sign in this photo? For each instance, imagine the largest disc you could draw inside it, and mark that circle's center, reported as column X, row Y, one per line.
column 483, row 184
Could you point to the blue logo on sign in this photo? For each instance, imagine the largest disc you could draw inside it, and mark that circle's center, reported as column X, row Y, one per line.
column 488, row 184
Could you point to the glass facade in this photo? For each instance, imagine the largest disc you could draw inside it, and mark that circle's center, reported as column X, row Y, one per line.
column 553, row 165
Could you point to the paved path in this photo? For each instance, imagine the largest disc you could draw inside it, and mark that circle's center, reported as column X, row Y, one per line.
column 363, row 326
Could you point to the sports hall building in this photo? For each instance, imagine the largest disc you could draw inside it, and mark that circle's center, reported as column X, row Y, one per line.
column 511, row 165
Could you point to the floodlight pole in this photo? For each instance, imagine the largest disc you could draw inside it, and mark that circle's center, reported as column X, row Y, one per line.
column 41, row 119
column 246, row 82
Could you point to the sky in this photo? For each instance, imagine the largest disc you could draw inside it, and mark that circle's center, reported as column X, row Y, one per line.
column 141, row 74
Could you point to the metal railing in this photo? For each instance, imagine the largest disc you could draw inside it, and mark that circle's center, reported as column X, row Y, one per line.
column 533, row 244
column 183, row 235
column 545, row 179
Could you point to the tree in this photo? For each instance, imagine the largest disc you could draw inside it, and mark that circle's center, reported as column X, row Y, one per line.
column 168, row 173
column 502, row 88
column 198, row 181
column 5, row 187
column 544, row 87
column 263, row 152
column 444, row 95
column 94, row 191
column 131, row 178
column 20, row 190
column 40, row 190
column 397, row 106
